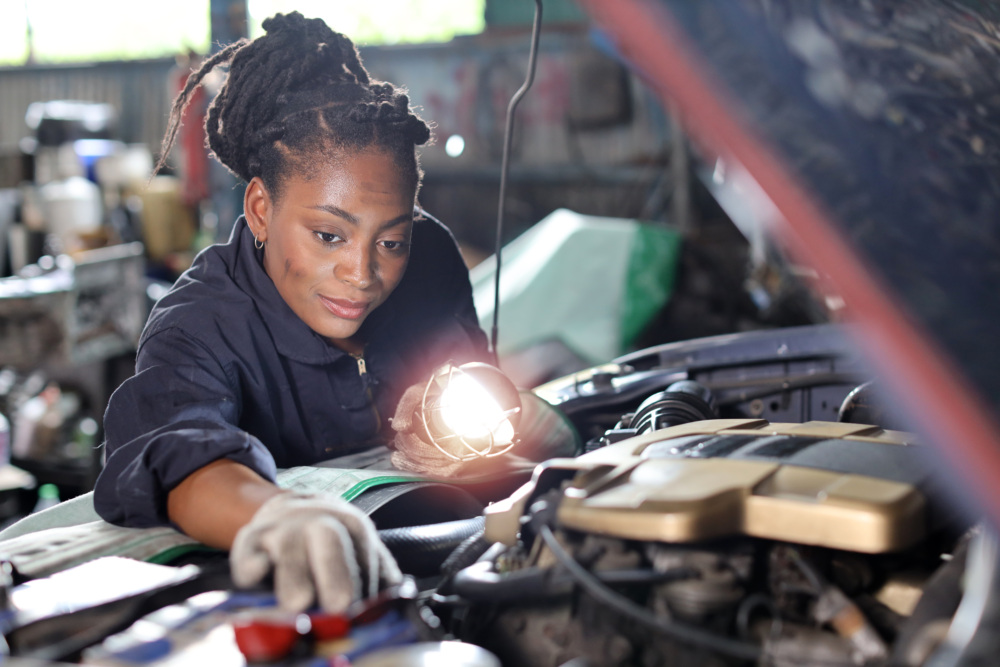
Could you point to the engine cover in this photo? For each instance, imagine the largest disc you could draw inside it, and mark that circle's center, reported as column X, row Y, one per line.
column 843, row 486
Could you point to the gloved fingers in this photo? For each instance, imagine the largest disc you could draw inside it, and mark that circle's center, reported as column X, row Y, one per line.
column 332, row 561
column 293, row 582
column 414, row 455
column 402, row 462
column 364, row 540
column 248, row 562
column 389, row 572
column 412, row 452
column 320, row 547
column 406, row 418
column 381, row 568
column 413, row 447
column 374, row 559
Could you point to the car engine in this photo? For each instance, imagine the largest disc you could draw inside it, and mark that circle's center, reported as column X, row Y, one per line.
column 694, row 534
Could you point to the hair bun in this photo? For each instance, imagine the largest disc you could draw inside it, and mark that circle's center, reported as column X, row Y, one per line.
column 293, row 21
column 295, row 90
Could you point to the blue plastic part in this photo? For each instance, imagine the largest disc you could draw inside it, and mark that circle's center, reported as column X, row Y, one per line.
column 145, row 651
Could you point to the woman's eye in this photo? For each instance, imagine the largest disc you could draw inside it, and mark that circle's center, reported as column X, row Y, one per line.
column 396, row 246
column 327, row 237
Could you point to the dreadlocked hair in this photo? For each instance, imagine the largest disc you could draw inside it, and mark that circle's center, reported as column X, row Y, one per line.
column 298, row 92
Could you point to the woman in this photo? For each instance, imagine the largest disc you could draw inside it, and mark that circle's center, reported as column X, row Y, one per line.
column 294, row 341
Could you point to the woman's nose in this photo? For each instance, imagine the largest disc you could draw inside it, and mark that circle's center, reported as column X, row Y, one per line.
column 356, row 267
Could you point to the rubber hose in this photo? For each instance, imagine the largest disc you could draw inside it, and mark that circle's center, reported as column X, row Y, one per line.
column 481, row 583
column 420, row 550
column 467, row 553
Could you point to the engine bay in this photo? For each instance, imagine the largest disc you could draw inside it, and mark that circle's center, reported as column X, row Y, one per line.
column 683, row 540
column 718, row 540
column 742, row 499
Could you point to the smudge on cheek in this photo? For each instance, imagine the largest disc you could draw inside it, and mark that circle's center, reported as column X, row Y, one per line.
column 295, row 268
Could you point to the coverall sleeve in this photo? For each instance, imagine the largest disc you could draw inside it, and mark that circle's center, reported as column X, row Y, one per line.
column 178, row 413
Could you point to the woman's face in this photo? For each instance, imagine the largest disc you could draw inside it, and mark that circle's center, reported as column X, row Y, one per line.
column 337, row 240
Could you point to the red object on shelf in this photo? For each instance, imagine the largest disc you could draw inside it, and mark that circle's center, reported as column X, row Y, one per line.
column 329, row 626
column 263, row 640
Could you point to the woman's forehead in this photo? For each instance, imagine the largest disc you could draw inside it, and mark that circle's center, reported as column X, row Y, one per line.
column 369, row 168
column 354, row 182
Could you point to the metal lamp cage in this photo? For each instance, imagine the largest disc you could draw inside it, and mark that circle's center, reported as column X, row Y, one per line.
column 431, row 405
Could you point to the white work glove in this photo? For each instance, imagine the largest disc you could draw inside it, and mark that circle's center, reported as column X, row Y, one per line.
column 412, row 452
column 320, row 548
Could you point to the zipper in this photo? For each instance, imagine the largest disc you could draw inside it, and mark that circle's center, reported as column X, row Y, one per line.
column 366, row 383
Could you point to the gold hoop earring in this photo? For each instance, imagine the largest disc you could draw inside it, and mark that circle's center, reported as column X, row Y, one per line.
column 257, row 243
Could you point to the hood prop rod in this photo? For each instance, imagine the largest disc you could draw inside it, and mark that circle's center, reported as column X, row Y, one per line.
column 536, row 29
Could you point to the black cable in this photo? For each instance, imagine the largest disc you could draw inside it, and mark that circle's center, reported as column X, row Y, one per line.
column 536, row 29
column 680, row 632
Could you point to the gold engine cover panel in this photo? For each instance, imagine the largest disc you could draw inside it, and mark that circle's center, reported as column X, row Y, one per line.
column 678, row 494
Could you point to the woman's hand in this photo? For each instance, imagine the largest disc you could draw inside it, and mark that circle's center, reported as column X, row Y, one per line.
column 320, row 548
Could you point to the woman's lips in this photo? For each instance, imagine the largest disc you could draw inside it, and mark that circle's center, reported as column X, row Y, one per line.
column 345, row 308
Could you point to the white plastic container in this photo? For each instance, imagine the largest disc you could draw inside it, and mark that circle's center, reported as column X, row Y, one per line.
column 71, row 207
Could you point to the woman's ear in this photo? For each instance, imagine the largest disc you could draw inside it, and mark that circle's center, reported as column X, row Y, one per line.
column 257, row 207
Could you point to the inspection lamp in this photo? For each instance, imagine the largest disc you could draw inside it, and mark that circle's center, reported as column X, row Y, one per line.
column 471, row 411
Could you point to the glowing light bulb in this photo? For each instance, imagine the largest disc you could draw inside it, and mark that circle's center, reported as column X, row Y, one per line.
column 471, row 411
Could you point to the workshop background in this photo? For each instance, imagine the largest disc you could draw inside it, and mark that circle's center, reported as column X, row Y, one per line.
column 629, row 243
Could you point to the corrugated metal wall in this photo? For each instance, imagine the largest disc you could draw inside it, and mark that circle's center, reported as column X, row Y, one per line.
column 137, row 89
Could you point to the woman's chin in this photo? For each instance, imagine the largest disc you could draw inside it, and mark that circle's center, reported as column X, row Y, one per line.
column 341, row 333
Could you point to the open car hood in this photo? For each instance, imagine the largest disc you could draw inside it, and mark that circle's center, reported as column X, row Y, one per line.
column 872, row 129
